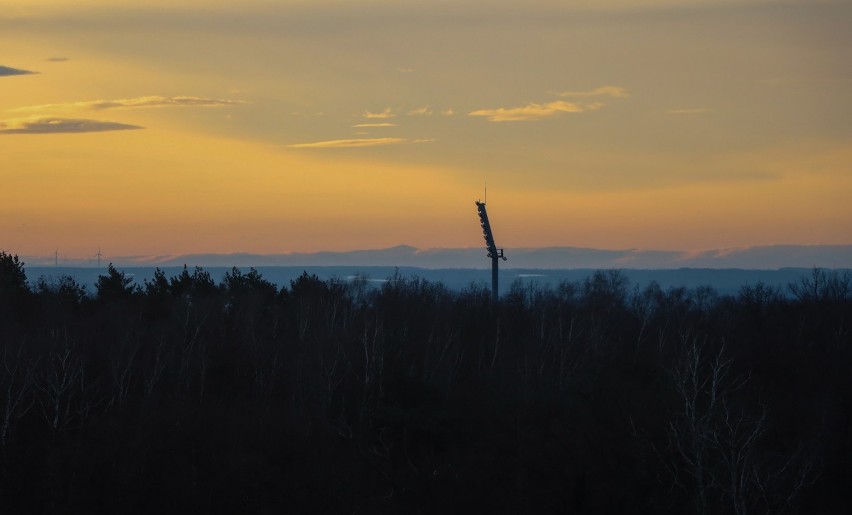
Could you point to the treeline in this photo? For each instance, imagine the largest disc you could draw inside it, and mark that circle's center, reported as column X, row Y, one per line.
column 187, row 395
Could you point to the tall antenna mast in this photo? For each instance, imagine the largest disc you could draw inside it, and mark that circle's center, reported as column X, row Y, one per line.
column 99, row 258
column 56, row 257
column 493, row 252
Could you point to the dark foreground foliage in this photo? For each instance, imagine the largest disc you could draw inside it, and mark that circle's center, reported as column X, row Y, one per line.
column 187, row 396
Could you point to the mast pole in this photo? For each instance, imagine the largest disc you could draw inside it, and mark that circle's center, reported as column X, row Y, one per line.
column 493, row 252
column 495, row 289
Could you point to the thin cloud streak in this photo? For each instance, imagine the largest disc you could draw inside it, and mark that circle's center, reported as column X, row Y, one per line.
column 134, row 103
column 364, row 125
column 422, row 111
column 352, row 143
column 61, row 126
column 603, row 91
column 384, row 115
column 6, row 71
column 534, row 111
column 361, row 142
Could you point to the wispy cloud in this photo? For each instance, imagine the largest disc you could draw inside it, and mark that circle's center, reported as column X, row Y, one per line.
column 603, row 91
column 695, row 110
column 448, row 112
column 537, row 111
column 533, row 111
column 358, row 143
column 422, row 111
column 57, row 59
column 364, row 125
column 384, row 115
column 61, row 126
column 6, row 71
column 134, row 103
column 405, row 70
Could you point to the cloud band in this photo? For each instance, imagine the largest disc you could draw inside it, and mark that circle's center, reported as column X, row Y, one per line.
column 61, row 126
column 6, row 71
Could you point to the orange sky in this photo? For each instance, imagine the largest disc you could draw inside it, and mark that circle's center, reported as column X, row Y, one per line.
column 187, row 126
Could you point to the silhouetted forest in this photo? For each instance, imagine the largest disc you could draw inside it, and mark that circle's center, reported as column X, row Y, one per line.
column 187, row 396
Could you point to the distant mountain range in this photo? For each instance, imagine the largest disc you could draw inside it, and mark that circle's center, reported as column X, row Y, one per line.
column 759, row 258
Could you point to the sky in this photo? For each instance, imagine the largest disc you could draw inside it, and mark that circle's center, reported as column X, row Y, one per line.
column 187, row 126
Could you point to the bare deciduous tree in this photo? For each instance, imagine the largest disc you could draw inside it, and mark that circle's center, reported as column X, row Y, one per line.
column 61, row 386
column 718, row 440
column 16, row 379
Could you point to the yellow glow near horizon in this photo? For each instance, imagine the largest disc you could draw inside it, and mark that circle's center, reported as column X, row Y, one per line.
column 200, row 194
column 247, row 196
